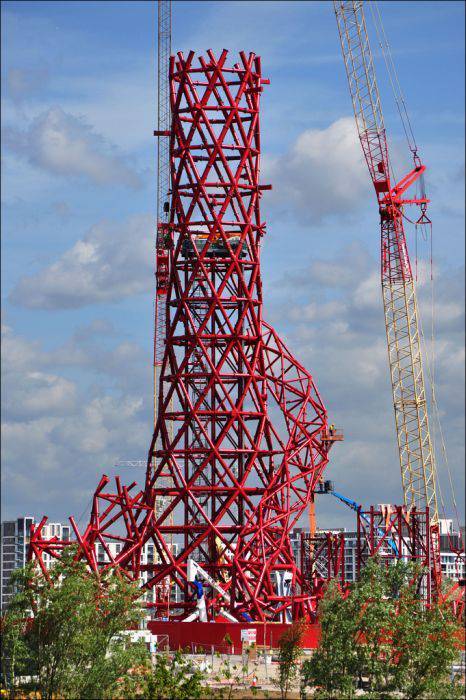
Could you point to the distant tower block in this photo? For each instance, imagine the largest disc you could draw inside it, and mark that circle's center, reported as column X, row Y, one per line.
column 238, row 479
column 240, row 439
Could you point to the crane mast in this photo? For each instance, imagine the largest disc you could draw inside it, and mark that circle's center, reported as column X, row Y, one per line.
column 163, row 185
column 399, row 297
column 164, row 21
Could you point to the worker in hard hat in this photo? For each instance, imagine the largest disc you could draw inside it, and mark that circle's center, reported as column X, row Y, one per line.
column 331, row 429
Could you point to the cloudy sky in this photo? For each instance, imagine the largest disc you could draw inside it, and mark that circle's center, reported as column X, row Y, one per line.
column 78, row 111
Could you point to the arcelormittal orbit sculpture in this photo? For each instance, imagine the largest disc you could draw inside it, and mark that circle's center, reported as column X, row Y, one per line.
column 240, row 439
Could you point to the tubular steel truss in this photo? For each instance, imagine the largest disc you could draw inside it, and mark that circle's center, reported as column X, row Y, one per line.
column 239, row 443
column 322, row 560
column 396, row 532
column 387, row 532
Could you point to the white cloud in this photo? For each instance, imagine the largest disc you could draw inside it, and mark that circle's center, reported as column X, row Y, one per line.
column 17, row 354
column 28, row 392
column 334, row 324
column 58, row 460
column 100, row 421
column 322, row 175
column 366, row 294
column 39, row 394
column 60, row 434
column 111, row 262
column 65, row 145
column 93, row 348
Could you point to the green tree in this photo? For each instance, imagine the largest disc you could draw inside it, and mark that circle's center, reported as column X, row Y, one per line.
column 333, row 665
column 66, row 633
column 289, row 654
column 382, row 634
column 425, row 644
column 15, row 652
column 233, row 675
column 173, row 677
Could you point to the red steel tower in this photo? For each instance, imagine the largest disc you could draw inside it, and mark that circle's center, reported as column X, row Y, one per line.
column 240, row 439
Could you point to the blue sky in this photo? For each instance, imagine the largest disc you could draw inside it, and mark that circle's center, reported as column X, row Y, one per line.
column 78, row 207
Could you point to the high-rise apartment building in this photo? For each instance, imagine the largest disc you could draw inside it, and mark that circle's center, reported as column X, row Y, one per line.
column 451, row 542
column 14, row 549
column 149, row 555
column 13, row 553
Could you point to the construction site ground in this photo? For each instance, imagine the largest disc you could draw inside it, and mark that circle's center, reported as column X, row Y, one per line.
column 250, row 677
column 242, row 684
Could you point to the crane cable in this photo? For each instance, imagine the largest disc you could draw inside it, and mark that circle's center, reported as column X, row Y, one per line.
column 393, row 77
column 442, row 440
column 430, row 365
column 412, row 145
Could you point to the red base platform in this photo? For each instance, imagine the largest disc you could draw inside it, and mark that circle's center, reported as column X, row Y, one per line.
column 196, row 636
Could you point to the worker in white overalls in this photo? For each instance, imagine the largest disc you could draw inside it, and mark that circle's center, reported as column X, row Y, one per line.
column 201, row 608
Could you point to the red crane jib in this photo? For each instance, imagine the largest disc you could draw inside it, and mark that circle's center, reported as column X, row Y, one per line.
column 239, row 444
column 395, row 263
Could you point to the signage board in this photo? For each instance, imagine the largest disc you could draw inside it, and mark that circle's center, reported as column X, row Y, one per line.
column 249, row 635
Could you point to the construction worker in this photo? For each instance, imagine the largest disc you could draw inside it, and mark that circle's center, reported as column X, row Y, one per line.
column 331, row 429
column 200, row 605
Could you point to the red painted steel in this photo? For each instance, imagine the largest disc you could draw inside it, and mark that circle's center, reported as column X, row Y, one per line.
column 388, row 532
column 322, row 560
column 238, row 446
column 412, row 534
column 198, row 636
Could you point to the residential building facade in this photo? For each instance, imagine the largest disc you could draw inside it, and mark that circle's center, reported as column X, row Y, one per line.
column 15, row 537
column 148, row 556
column 13, row 553
column 452, row 559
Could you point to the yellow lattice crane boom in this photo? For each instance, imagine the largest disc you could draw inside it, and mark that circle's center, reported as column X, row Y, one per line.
column 416, row 455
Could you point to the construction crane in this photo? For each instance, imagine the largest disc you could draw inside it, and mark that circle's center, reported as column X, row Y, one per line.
column 163, row 186
column 399, row 296
column 417, row 460
column 164, row 33
column 164, row 30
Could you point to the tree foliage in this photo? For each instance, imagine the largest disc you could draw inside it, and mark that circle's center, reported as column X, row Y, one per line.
column 172, row 678
column 63, row 637
column 67, row 638
column 382, row 637
column 289, row 653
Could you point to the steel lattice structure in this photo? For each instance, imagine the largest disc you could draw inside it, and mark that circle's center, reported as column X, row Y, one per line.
column 239, row 443
column 322, row 559
column 417, row 458
column 399, row 297
column 388, row 532
column 163, row 183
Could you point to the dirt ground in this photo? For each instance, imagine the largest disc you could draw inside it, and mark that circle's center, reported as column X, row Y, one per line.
column 248, row 673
